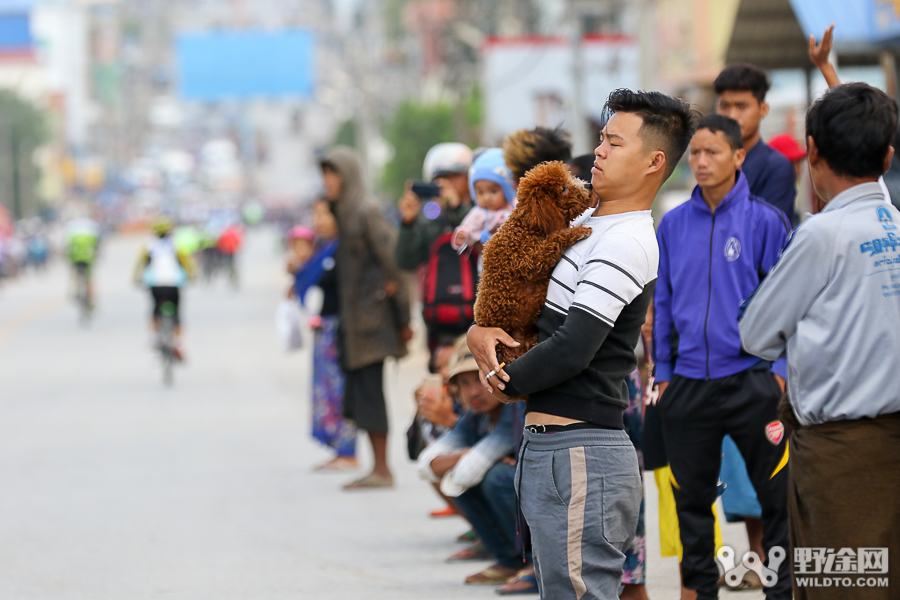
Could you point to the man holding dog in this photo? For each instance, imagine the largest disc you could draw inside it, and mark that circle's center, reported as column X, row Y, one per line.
column 578, row 479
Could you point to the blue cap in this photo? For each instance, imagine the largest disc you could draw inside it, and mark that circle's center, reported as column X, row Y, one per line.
column 491, row 166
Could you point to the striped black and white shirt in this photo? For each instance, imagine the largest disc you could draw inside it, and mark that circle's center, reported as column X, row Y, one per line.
column 596, row 303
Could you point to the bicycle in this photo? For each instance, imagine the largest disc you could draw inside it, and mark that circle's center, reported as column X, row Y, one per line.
column 165, row 344
column 82, row 299
column 228, row 263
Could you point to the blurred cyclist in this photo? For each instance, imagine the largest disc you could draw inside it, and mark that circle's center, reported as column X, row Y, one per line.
column 82, row 241
column 229, row 242
column 164, row 269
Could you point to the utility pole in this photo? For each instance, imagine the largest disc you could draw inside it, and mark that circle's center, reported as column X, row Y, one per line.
column 364, row 73
column 888, row 63
column 647, row 32
column 6, row 195
column 581, row 143
column 15, row 175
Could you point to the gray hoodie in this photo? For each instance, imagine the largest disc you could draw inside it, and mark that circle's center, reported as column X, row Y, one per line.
column 832, row 305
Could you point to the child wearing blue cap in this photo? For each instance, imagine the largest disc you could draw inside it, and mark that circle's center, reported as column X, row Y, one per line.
column 490, row 183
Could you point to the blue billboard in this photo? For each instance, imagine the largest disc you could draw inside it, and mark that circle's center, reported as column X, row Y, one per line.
column 243, row 65
column 16, row 7
column 857, row 21
column 15, row 32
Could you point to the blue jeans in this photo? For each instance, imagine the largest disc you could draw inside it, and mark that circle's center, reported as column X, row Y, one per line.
column 739, row 500
column 491, row 509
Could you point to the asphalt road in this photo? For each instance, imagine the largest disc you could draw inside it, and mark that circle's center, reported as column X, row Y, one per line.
column 115, row 487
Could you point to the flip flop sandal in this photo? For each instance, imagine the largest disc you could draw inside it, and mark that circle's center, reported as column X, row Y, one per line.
column 337, row 465
column 370, row 482
column 511, row 589
column 493, row 575
column 444, row 512
column 476, row 552
column 467, row 537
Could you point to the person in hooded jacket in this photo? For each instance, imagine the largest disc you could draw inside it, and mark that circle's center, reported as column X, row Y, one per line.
column 374, row 304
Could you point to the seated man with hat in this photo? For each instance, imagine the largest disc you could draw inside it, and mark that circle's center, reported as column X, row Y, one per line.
column 474, row 464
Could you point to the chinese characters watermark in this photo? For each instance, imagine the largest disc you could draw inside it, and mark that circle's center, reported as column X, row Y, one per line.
column 813, row 567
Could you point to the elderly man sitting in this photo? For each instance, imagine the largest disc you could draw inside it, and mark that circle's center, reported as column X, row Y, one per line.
column 474, row 464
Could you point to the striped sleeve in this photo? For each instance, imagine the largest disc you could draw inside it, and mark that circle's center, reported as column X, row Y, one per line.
column 613, row 275
column 562, row 285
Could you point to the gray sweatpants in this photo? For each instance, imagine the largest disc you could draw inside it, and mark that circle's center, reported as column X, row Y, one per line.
column 580, row 493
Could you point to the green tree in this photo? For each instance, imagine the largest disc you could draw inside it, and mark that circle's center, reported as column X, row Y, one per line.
column 23, row 127
column 470, row 113
column 346, row 134
column 393, row 17
column 414, row 129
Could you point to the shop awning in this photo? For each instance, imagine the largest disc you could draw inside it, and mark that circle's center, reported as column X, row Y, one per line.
column 772, row 34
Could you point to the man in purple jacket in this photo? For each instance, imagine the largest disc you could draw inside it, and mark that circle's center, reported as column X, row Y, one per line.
column 714, row 251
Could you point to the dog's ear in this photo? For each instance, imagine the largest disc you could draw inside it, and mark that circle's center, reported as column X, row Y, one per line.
column 541, row 194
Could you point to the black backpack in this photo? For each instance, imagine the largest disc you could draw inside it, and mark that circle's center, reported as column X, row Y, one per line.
column 450, row 284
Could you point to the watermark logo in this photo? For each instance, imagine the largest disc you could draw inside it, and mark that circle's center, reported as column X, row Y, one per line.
column 813, row 567
column 734, row 573
column 827, row 567
column 846, row 561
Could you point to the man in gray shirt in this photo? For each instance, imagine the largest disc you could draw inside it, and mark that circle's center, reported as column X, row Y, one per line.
column 832, row 305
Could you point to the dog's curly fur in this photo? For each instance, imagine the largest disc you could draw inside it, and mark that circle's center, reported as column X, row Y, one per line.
column 520, row 257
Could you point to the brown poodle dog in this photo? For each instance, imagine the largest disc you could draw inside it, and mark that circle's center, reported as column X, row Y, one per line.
column 520, row 257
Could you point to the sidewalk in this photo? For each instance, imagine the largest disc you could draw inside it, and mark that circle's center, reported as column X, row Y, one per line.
column 414, row 546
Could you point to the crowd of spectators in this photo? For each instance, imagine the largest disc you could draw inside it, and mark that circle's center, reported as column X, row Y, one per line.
column 26, row 245
column 702, row 413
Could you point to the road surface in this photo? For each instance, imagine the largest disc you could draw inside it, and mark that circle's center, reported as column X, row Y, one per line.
column 114, row 487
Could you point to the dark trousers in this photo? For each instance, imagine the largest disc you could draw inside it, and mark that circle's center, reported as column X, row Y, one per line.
column 165, row 301
column 844, row 492
column 491, row 509
column 364, row 402
column 696, row 415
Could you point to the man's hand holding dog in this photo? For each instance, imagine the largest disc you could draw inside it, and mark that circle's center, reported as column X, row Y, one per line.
column 483, row 342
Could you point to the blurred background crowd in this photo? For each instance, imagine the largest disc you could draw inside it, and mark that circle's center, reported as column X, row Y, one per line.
column 119, row 110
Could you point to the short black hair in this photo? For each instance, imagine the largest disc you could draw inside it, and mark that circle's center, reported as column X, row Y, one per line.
column 853, row 126
column 741, row 77
column 581, row 166
column 726, row 125
column 527, row 148
column 669, row 123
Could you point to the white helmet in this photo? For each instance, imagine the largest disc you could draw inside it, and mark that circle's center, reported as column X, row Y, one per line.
column 448, row 158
